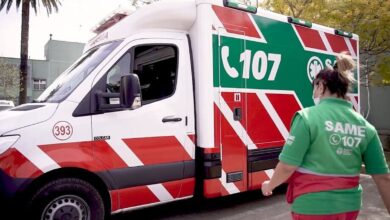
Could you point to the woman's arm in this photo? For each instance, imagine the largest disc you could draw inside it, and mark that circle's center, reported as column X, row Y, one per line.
column 282, row 173
column 382, row 181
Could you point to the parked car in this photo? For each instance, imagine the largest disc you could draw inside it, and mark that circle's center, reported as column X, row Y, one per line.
column 4, row 105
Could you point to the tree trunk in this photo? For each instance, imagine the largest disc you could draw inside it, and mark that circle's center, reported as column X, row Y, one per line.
column 24, row 51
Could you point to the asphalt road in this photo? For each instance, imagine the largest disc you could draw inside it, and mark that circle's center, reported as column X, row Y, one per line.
column 248, row 206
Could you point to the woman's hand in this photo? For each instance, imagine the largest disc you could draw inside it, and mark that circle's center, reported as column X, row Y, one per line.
column 266, row 189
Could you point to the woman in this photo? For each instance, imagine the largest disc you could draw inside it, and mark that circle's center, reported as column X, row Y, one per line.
column 323, row 155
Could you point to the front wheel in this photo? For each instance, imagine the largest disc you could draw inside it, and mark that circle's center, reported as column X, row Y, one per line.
column 67, row 198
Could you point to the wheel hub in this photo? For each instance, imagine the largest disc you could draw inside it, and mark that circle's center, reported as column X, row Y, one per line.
column 68, row 207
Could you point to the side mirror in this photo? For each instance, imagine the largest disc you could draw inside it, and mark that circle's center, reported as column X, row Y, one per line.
column 130, row 91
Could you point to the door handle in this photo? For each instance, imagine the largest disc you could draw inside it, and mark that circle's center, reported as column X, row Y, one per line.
column 237, row 114
column 171, row 119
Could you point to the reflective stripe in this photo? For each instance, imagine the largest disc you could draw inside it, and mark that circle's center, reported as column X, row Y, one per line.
column 124, row 152
column 39, row 158
column 230, row 187
column 160, row 192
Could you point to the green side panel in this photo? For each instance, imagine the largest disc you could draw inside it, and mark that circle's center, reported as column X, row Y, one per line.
column 282, row 41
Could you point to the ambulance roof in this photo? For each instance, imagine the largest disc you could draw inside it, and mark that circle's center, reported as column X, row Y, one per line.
column 178, row 15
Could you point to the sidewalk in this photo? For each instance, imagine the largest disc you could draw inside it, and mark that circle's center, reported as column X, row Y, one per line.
column 373, row 207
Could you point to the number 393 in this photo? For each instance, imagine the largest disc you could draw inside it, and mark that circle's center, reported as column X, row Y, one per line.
column 62, row 130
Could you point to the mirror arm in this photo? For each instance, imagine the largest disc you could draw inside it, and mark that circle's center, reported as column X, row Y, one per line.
column 102, row 96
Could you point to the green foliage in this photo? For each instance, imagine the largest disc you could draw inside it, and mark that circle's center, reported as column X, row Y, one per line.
column 370, row 19
column 383, row 68
column 9, row 81
column 49, row 5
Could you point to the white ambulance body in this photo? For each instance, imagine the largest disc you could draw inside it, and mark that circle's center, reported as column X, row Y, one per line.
column 180, row 98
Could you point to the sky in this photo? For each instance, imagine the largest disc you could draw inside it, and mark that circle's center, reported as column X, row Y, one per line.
column 73, row 22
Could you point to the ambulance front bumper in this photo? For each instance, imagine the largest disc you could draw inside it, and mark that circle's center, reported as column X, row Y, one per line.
column 10, row 188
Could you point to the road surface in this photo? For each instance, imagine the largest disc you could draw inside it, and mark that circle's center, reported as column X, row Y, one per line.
column 249, row 206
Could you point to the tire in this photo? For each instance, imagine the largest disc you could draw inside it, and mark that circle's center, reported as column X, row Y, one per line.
column 66, row 198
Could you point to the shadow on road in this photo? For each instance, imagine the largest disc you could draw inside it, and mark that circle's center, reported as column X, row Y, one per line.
column 199, row 208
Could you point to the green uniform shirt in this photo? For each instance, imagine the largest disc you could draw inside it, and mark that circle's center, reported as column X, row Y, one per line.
column 332, row 139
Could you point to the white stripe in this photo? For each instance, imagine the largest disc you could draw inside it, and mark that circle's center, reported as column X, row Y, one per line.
column 236, row 125
column 313, row 49
column 230, row 187
column 354, row 102
column 39, row 158
column 187, row 144
column 270, row 173
column 160, row 192
column 222, row 31
column 273, row 114
column 266, row 91
column 350, row 48
column 148, row 205
column 216, row 22
column 326, row 42
column 238, row 128
column 124, row 152
column 257, row 29
column 298, row 35
column 242, row 90
column 298, row 101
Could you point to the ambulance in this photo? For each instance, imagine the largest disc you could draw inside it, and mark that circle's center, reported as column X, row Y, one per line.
column 179, row 99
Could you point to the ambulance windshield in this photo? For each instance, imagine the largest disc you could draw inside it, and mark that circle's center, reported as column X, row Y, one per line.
column 72, row 77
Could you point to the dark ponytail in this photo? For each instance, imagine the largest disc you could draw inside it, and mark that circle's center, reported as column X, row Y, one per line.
column 339, row 79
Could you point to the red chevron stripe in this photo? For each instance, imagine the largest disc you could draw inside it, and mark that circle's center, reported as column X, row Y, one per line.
column 180, row 188
column 261, row 127
column 337, row 43
column 285, row 105
column 213, row 188
column 357, row 99
column 187, row 188
column 114, row 196
column 173, row 187
column 90, row 155
column 157, row 150
column 256, row 179
column 217, row 127
column 234, row 151
column 236, row 22
column 192, row 137
column 310, row 38
column 14, row 164
column 211, row 150
column 135, row 196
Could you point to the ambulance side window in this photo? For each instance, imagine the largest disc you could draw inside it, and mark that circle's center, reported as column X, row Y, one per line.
column 114, row 75
column 156, row 67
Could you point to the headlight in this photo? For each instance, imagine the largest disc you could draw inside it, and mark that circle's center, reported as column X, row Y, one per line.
column 6, row 142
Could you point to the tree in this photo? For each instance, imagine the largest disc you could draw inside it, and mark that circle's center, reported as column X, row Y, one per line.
column 9, row 81
column 49, row 5
column 369, row 19
column 140, row 3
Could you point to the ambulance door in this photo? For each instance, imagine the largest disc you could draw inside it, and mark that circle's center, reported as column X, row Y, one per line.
column 232, row 112
column 148, row 151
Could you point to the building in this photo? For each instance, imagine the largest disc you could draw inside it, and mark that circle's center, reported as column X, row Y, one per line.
column 59, row 55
